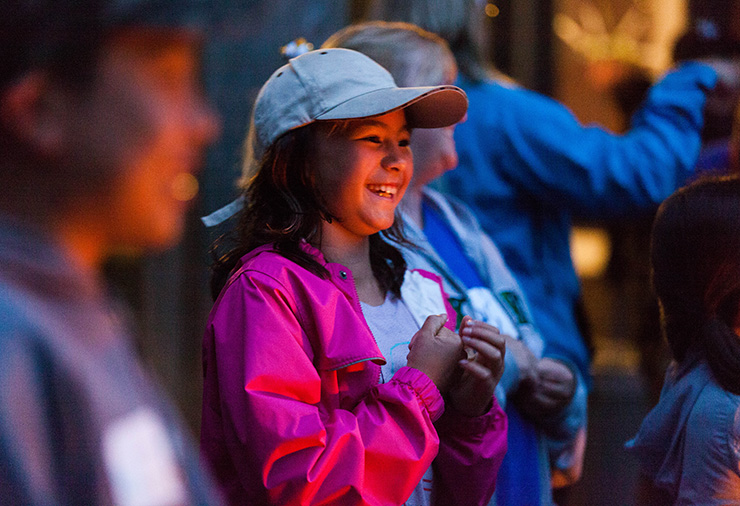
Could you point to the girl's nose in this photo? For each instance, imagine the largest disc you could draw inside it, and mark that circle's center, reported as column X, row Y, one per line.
column 397, row 158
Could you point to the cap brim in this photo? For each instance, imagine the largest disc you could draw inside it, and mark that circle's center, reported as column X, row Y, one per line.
column 427, row 107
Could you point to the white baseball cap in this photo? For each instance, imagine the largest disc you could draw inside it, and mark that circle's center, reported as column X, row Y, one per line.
column 339, row 84
column 336, row 84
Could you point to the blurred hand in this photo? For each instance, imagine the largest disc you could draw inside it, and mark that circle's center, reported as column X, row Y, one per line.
column 525, row 360
column 727, row 69
column 472, row 394
column 554, row 389
column 435, row 351
column 722, row 100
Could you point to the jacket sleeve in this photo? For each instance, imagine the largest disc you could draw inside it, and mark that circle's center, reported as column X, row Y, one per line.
column 288, row 447
column 566, row 435
column 470, row 454
column 27, row 449
column 552, row 157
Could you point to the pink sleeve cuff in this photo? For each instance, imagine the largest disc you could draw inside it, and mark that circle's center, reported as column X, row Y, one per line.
column 493, row 419
column 424, row 388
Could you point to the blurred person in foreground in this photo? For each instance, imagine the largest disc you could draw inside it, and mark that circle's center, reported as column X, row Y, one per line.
column 102, row 124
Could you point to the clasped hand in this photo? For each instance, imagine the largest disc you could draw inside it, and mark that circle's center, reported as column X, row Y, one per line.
column 466, row 367
column 549, row 391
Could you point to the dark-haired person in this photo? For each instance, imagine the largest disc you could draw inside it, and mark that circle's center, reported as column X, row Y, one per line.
column 101, row 121
column 688, row 444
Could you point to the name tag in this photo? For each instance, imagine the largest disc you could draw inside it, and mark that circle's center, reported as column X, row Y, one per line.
column 491, row 311
column 141, row 462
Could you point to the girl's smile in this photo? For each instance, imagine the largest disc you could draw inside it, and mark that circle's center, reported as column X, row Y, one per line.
column 363, row 170
column 383, row 190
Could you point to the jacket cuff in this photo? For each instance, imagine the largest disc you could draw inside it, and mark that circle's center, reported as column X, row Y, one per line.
column 706, row 77
column 565, row 424
column 454, row 421
column 424, row 388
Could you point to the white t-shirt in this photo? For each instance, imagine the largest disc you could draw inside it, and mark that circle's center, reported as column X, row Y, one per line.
column 393, row 326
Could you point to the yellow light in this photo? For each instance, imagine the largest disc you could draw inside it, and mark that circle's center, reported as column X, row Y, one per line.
column 184, row 186
column 492, row 10
column 591, row 249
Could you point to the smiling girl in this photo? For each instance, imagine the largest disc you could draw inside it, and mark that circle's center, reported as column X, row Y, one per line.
column 332, row 374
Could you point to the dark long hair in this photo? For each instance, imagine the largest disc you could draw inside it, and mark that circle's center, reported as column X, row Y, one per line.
column 284, row 207
column 696, row 274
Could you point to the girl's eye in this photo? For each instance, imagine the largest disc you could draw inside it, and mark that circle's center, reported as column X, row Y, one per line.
column 404, row 143
column 372, row 138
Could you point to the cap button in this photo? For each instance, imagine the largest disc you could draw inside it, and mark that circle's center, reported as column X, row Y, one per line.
column 343, row 274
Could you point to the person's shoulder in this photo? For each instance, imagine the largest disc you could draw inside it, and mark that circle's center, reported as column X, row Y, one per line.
column 717, row 398
column 264, row 258
column 455, row 210
column 26, row 348
column 715, row 420
column 16, row 326
column 498, row 97
column 418, row 276
column 270, row 267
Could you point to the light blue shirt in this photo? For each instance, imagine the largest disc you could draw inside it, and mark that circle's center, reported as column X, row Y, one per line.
column 689, row 444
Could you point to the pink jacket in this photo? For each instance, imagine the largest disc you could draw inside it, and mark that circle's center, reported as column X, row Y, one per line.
column 293, row 412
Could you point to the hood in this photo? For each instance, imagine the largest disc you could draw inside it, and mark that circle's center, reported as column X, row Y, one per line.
column 659, row 444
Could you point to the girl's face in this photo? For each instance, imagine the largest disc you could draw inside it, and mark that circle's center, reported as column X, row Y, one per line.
column 363, row 170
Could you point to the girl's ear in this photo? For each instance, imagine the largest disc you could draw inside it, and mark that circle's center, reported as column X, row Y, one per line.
column 31, row 112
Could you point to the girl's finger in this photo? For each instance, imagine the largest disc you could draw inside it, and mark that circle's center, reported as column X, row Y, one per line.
column 477, row 370
column 484, row 331
column 490, row 351
column 431, row 327
column 465, row 322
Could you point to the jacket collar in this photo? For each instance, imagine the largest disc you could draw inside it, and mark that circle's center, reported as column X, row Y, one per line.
column 30, row 258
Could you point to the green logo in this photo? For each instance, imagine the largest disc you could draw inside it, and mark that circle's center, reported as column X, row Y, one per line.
column 457, row 306
column 515, row 304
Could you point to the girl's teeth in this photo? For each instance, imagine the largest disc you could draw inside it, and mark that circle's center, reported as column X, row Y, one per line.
column 382, row 190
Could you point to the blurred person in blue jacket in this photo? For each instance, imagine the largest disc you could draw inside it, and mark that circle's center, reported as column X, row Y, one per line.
column 527, row 166
column 102, row 126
